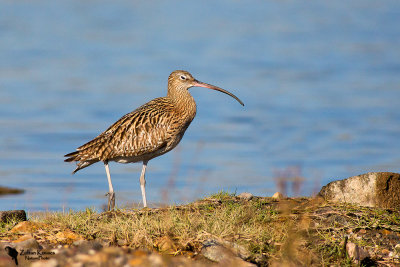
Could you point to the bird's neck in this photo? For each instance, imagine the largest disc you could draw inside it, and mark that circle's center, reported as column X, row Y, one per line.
column 184, row 102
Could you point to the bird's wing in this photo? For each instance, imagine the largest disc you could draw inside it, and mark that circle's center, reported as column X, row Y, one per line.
column 141, row 132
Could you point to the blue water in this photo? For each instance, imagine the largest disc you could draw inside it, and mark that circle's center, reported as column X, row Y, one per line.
column 320, row 82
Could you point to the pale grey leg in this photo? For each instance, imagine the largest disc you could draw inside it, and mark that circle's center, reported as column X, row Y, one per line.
column 110, row 194
column 143, row 183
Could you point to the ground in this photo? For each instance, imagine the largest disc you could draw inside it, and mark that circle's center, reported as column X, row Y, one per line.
column 260, row 231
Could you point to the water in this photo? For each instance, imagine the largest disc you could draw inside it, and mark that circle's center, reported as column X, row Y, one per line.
column 320, row 83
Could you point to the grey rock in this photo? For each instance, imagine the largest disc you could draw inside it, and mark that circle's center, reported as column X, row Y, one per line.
column 238, row 250
column 374, row 189
column 9, row 215
column 215, row 251
column 245, row 196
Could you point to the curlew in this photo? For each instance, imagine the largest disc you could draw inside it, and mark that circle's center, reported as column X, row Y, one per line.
column 147, row 132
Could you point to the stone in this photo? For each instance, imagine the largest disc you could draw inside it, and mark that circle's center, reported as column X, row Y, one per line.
column 216, row 252
column 24, row 227
column 45, row 263
column 122, row 242
column 374, row 189
column 7, row 190
column 155, row 260
column 166, row 245
column 245, row 196
column 23, row 238
column 239, row 250
column 85, row 245
column 67, row 236
column 397, row 248
column 29, row 244
column 12, row 215
column 356, row 252
column 278, row 196
column 385, row 251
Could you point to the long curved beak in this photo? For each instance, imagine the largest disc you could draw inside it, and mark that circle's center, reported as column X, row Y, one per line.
column 210, row 86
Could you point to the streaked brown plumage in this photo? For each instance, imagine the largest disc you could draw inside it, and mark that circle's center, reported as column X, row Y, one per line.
column 147, row 132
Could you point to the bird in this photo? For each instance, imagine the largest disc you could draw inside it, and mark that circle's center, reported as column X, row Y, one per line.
column 13, row 253
column 149, row 131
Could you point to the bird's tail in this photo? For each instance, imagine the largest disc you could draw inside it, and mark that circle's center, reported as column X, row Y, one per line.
column 82, row 161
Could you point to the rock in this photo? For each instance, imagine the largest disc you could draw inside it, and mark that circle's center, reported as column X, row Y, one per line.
column 166, row 245
column 67, row 236
column 24, row 227
column 155, row 260
column 278, row 195
column 45, row 263
column 122, row 242
column 238, row 250
column 374, row 189
column 356, row 253
column 87, row 246
column 216, row 252
column 29, row 244
column 12, row 215
column 245, row 196
column 7, row 190
column 397, row 249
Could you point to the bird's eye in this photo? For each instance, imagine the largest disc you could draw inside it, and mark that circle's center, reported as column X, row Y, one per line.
column 183, row 77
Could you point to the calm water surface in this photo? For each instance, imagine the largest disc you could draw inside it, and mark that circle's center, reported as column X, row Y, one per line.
column 320, row 81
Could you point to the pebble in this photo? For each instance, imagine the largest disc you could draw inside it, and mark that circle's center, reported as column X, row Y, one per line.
column 246, row 196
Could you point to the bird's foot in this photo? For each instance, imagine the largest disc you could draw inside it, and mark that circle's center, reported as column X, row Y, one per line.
column 111, row 201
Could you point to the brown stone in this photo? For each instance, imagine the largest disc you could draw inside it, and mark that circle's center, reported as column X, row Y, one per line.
column 166, row 245
column 10, row 215
column 24, row 227
column 23, row 238
column 374, row 189
column 68, row 237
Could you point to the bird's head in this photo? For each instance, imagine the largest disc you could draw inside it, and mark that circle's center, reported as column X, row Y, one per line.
column 181, row 81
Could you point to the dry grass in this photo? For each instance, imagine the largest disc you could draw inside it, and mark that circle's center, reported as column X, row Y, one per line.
column 221, row 216
column 292, row 232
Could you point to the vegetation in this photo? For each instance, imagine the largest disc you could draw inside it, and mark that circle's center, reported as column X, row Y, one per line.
column 299, row 231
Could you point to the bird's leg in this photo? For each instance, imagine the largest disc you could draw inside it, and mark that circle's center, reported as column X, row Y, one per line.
column 110, row 194
column 143, row 183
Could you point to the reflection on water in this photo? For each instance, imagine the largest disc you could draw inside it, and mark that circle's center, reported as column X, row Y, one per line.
column 320, row 83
